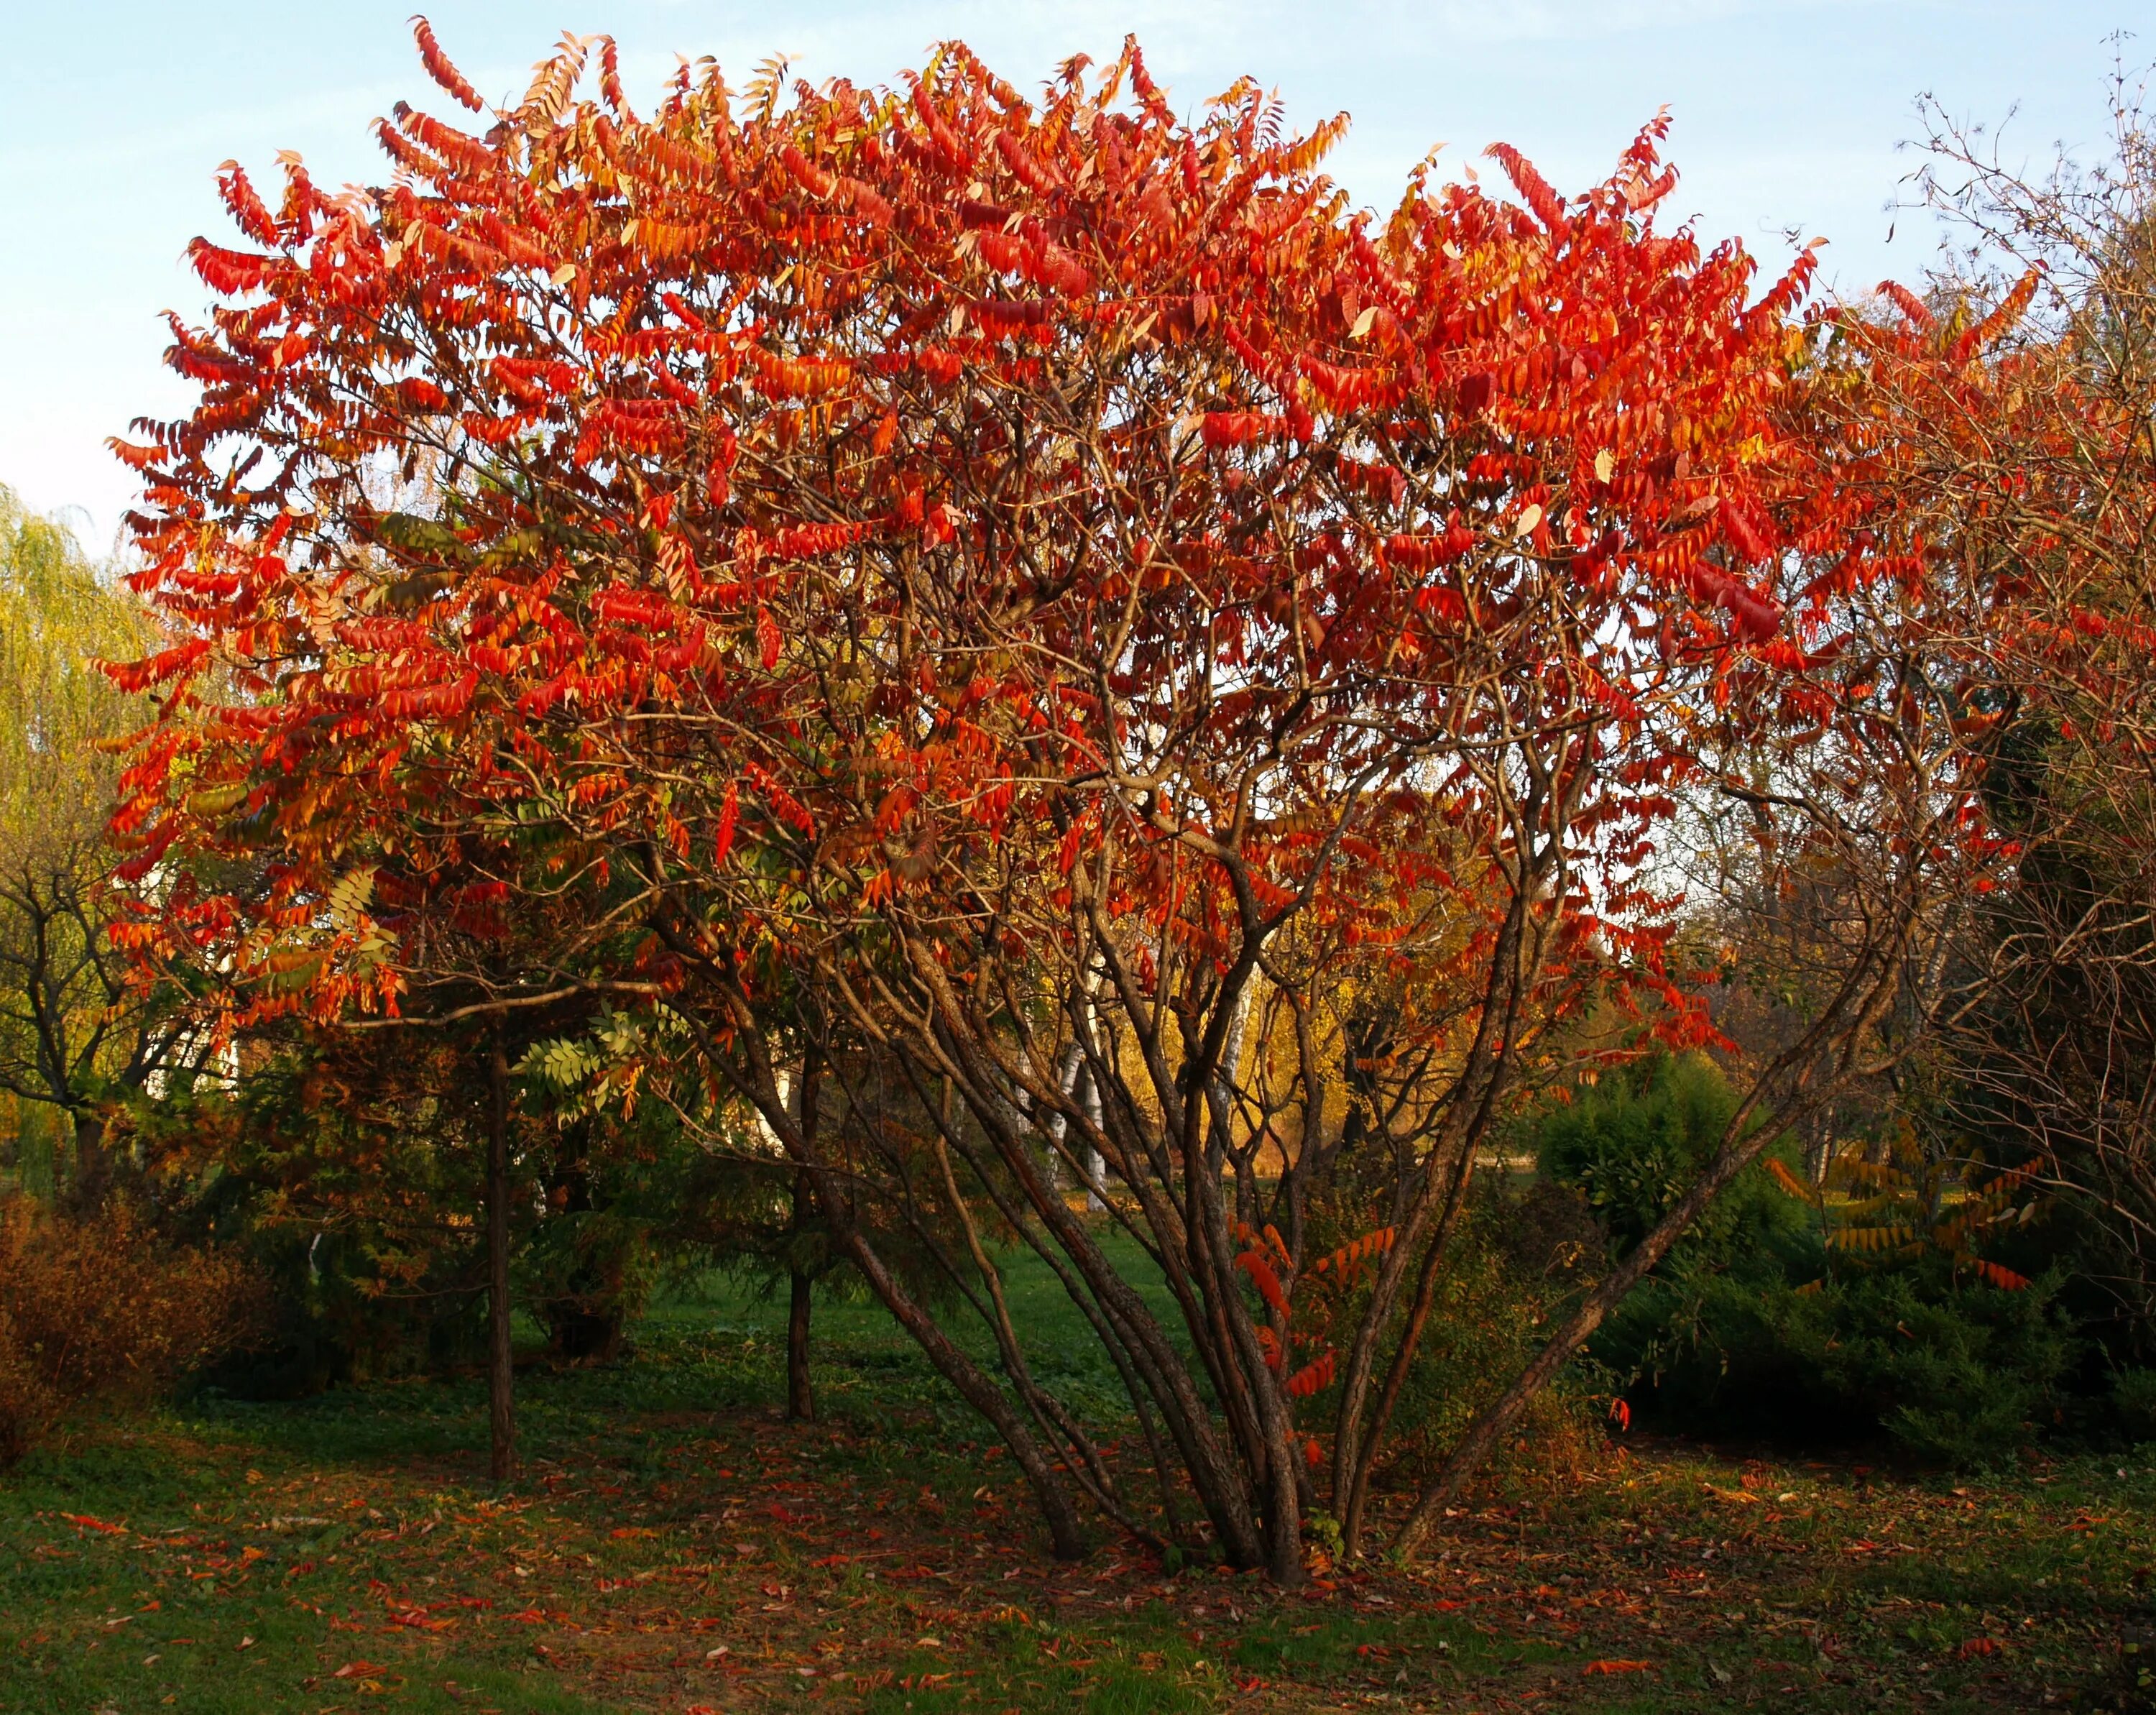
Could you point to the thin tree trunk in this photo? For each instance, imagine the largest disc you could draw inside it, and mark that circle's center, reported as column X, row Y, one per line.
column 800, row 1394
column 92, row 1164
column 807, row 1105
column 501, row 1374
column 1096, row 1166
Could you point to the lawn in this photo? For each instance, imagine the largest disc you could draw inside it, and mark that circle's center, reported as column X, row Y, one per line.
column 676, row 1547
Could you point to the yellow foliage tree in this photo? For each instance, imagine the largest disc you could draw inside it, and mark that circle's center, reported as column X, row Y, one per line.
column 70, row 1029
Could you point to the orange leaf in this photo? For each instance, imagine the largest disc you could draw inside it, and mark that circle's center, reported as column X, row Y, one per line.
column 729, row 810
column 1311, row 1379
column 1787, row 1180
column 439, row 68
column 1260, row 1271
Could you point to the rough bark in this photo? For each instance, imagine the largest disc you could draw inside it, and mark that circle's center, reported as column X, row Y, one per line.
column 93, row 1162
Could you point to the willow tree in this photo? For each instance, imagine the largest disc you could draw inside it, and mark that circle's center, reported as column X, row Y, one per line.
column 73, row 1029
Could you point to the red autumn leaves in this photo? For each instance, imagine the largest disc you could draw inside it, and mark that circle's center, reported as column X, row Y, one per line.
column 679, row 392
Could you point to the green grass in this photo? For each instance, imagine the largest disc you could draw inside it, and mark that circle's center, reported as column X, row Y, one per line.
column 676, row 1547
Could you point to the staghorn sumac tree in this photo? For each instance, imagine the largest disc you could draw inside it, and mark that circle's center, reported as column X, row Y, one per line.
column 1058, row 661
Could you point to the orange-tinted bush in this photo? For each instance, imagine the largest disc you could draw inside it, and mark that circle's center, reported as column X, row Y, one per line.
column 100, row 1312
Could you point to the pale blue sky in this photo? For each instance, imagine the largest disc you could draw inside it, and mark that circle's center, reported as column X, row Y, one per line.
column 114, row 114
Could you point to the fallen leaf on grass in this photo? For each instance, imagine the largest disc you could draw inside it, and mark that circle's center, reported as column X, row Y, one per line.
column 1613, row 1665
column 356, row 1669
